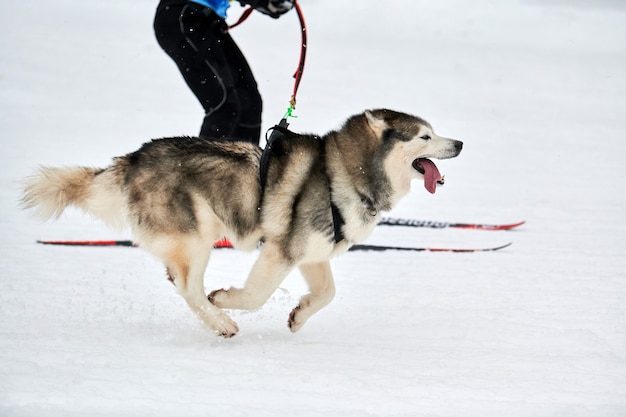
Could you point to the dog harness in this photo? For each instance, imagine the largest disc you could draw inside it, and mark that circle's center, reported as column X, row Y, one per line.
column 279, row 132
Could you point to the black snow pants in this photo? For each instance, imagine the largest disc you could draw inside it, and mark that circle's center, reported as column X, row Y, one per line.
column 214, row 68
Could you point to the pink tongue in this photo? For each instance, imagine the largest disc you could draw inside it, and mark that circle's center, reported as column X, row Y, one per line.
column 431, row 174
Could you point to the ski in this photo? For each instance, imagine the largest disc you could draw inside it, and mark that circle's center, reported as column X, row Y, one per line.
column 379, row 248
column 390, row 221
column 87, row 242
column 226, row 244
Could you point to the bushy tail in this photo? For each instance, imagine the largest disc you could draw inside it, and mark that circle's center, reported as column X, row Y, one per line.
column 49, row 191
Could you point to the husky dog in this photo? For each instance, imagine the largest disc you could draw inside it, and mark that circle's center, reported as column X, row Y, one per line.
column 306, row 198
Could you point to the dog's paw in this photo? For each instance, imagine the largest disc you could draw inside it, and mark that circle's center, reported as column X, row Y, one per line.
column 224, row 326
column 216, row 296
column 296, row 320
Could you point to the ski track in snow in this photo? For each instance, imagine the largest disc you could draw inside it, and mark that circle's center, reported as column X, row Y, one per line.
column 536, row 91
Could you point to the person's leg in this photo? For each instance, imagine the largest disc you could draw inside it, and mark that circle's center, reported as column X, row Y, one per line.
column 179, row 29
column 248, row 127
column 194, row 37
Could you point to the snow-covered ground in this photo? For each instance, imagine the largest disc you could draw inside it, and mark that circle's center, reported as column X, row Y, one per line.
column 535, row 89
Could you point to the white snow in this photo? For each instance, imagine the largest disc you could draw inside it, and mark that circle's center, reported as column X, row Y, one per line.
column 535, row 89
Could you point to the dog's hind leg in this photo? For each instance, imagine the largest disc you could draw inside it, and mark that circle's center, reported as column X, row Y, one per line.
column 269, row 270
column 186, row 263
column 319, row 277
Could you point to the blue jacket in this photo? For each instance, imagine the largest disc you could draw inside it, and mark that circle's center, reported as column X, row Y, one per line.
column 218, row 6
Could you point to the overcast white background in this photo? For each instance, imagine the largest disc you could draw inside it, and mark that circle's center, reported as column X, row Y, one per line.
column 535, row 89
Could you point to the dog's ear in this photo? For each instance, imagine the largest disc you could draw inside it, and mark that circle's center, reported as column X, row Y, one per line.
column 377, row 124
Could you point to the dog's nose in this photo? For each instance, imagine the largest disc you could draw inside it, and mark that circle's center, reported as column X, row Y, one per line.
column 458, row 145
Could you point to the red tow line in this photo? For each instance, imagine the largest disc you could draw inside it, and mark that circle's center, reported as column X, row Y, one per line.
column 300, row 69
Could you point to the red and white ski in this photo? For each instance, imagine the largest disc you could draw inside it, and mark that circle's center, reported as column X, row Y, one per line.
column 226, row 244
column 390, row 221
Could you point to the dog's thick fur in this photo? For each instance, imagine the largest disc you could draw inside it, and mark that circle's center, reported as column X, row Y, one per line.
column 180, row 195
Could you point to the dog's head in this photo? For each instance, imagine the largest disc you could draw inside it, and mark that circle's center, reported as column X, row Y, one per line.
column 409, row 142
column 378, row 153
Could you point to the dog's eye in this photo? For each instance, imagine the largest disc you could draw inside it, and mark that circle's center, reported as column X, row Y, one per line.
column 425, row 137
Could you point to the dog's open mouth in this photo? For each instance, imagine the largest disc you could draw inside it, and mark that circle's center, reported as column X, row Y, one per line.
column 431, row 174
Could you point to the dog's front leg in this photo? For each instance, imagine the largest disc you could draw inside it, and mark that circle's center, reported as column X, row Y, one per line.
column 269, row 270
column 319, row 277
